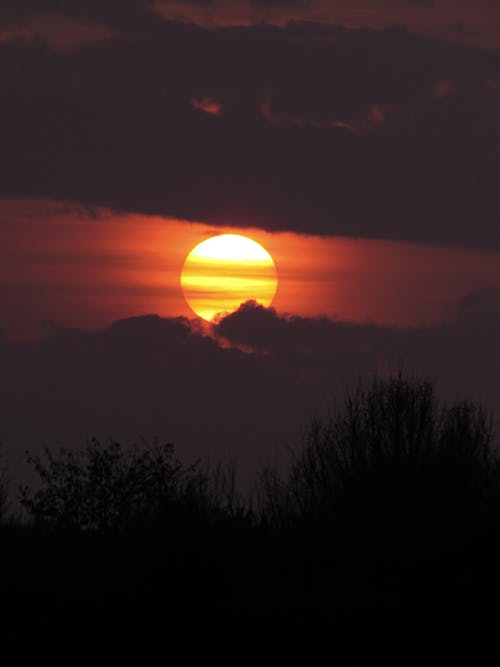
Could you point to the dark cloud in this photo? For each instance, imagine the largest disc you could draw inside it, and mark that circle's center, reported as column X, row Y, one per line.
column 479, row 306
column 143, row 376
column 460, row 354
column 370, row 133
column 208, row 105
column 59, row 32
column 116, row 12
column 462, row 21
column 151, row 376
column 469, row 22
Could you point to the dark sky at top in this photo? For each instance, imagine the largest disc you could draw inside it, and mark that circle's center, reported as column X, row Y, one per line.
column 386, row 126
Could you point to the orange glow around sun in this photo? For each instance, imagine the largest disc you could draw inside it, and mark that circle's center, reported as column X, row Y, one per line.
column 224, row 271
column 87, row 268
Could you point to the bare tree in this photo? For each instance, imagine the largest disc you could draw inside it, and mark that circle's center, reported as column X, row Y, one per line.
column 4, row 484
column 392, row 441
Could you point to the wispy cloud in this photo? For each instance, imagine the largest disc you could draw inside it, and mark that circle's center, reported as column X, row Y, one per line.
column 375, row 116
column 55, row 31
column 207, row 104
column 460, row 21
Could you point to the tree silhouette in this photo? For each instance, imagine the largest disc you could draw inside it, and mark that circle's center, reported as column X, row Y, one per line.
column 108, row 486
column 4, row 483
column 391, row 450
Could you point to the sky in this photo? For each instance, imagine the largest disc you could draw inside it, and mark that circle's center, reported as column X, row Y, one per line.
column 357, row 141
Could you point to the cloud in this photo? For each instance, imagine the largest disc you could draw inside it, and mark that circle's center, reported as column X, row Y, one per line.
column 208, row 105
column 479, row 306
column 376, row 116
column 460, row 354
column 58, row 32
column 465, row 22
column 155, row 376
column 443, row 89
column 339, row 136
column 493, row 85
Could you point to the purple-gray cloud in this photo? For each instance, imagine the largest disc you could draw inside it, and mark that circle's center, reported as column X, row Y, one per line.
column 468, row 22
column 58, row 32
column 369, row 133
column 151, row 376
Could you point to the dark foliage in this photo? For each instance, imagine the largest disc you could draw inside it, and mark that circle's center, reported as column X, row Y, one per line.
column 392, row 451
column 4, row 484
column 111, row 487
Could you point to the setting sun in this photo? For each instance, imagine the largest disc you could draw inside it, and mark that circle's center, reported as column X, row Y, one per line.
column 223, row 272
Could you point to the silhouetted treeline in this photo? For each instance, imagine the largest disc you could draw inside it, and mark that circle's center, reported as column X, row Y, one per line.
column 389, row 510
column 393, row 462
column 110, row 488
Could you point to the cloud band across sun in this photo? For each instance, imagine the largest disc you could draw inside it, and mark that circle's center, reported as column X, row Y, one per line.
column 225, row 271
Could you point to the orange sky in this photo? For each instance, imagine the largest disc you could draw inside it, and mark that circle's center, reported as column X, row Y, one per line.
column 62, row 263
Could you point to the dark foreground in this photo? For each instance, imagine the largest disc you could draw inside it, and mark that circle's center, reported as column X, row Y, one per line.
column 380, row 544
column 78, row 599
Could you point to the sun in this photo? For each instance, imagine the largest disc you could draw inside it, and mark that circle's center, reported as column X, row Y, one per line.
column 224, row 271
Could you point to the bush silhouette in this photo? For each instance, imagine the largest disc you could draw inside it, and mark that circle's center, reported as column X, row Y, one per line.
column 110, row 487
